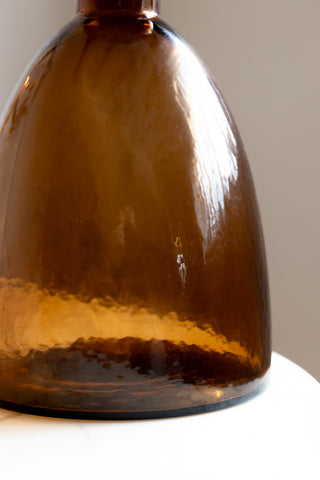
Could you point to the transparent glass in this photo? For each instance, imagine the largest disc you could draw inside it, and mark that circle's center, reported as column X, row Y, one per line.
column 133, row 279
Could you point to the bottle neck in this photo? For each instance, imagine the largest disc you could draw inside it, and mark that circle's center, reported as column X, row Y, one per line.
column 95, row 8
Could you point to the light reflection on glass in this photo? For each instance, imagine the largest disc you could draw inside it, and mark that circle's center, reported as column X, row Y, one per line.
column 27, row 82
column 215, row 162
column 182, row 268
column 219, row 393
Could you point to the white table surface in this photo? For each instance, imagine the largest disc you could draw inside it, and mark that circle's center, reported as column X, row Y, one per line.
column 275, row 435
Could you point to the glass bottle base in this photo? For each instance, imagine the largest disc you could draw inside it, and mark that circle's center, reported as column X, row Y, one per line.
column 132, row 415
column 125, row 379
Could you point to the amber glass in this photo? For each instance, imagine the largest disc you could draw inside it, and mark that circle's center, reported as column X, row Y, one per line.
column 133, row 278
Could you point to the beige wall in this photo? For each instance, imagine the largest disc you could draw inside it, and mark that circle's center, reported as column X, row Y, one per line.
column 265, row 56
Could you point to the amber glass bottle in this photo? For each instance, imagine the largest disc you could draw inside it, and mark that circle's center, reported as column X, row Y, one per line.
column 133, row 279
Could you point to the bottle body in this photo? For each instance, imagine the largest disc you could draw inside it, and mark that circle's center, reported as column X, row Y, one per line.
column 133, row 276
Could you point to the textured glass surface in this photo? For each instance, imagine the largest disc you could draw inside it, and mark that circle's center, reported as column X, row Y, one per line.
column 132, row 267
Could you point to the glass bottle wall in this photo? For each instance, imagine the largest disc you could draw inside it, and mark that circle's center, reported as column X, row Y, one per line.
column 133, row 275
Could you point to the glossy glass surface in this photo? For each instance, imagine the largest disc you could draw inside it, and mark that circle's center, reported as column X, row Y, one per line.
column 132, row 269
